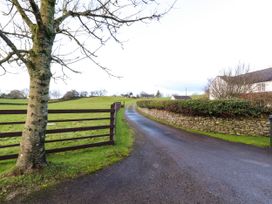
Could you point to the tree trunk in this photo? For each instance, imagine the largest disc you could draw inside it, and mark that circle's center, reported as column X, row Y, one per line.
column 32, row 148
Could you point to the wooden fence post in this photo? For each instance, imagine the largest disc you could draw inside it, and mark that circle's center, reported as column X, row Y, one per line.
column 112, row 122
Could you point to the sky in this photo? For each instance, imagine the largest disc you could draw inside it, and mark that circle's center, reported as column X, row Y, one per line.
column 195, row 41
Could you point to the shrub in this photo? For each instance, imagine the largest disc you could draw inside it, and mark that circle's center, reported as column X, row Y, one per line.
column 15, row 94
column 71, row 95
column 216, row 108
column 264, row 98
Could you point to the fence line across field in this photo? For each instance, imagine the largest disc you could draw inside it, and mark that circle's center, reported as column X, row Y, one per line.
column 111, row 127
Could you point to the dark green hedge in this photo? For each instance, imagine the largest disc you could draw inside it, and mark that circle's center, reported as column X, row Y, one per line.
column 217, row 108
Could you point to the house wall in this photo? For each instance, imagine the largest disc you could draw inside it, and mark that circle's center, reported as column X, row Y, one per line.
column 268, row 87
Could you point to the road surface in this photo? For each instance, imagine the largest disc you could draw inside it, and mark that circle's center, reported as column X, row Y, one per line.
column 171, row 166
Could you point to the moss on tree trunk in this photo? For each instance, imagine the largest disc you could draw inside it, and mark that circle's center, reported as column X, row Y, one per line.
column 32, row 149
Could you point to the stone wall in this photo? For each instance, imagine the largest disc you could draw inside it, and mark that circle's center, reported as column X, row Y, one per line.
column 237, row 126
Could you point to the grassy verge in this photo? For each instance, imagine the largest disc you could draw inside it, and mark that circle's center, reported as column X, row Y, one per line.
column 249, row 140
column 64, row 166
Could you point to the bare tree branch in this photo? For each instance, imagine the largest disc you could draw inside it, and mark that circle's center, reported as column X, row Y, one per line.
column 23, row 14
column 20, row 35
column 12, row 47
column 36, row 12
column 89, row 13
column 89, row 31
column 86, row 51
column 11, row 54
column 4, row 70
column 63, row 64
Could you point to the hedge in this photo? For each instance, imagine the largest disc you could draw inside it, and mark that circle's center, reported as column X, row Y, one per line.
column 216, row 108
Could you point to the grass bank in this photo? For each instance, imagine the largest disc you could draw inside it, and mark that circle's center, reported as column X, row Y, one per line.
column 258, row 141
column 68, row 165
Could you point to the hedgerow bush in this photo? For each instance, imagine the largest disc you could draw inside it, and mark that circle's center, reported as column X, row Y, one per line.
column 264, row 98
column 216, row 108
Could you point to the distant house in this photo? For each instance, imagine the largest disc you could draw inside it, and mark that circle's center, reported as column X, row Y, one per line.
column 259, row 81
column 176, row 97
column 146, row 95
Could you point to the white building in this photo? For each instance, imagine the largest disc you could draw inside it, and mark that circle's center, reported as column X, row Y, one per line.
column 260, row 82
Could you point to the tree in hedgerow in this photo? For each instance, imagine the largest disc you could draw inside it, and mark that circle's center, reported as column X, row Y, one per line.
column 232, row 83
column 158, row 94
column 32, row 34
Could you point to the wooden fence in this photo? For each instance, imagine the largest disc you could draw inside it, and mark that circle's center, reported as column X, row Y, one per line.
column 111, row 129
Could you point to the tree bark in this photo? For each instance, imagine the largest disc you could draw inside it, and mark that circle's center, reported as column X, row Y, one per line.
column 32, row 148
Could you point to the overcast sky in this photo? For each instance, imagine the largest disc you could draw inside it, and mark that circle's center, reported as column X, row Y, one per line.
column 194, row 42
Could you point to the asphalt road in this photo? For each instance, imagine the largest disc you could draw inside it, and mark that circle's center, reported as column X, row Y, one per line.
column 172, row 166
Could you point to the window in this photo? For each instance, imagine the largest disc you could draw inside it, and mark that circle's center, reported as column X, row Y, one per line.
column 261, row 87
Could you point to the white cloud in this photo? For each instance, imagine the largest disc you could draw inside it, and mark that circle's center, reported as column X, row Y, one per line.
column 192, row 43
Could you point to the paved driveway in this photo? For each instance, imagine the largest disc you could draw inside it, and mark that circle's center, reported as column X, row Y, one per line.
column 172, row 166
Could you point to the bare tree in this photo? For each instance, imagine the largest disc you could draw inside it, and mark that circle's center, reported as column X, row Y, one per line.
column 101, row 92
column 83, row 94
column 55, row 94
column 146, row 95
column 232, row 83
column 158, row 94
column 25, row 92
column 16, row 94
column 32, row 34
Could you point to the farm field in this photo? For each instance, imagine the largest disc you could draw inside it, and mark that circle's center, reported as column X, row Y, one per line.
column 65, row 165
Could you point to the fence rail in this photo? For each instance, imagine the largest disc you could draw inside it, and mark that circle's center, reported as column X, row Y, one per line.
column 55, row 121
column 18, row 112
column 110, row 127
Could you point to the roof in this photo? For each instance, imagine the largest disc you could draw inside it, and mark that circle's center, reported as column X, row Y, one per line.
column 256, row 76
column 181, row 97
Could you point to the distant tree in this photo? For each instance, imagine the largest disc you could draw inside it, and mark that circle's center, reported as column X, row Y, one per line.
column 232, row 83
column 206, row 88
column 158, row 94
column 16, row 94
column 101, row 92
column 55, row 94
column 71, row 95
column 92, row 93
column 127, row 95
column 83, row 94
column 25, row 92
column 146, row 95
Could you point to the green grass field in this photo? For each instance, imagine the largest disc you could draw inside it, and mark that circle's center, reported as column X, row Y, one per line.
column 63, row 166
